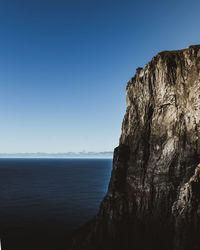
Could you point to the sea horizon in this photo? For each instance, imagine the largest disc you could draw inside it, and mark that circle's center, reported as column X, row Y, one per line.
column 68, row 155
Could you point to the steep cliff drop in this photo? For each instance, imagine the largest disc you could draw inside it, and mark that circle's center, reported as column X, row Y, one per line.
column 153, row 199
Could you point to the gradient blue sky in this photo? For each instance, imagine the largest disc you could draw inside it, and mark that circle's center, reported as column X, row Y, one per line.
column 64, row 66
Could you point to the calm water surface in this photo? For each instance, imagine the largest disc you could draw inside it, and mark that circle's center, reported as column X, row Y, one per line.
column 50, row 196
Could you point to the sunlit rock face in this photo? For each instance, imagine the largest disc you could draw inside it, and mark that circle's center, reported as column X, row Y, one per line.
column 153, row 199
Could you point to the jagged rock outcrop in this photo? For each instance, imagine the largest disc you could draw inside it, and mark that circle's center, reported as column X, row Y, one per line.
column 153, row 199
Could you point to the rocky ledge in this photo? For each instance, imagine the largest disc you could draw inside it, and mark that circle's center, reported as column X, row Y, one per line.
column 153, row 199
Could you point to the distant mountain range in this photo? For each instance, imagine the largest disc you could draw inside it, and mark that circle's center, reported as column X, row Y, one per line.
column 83, row 154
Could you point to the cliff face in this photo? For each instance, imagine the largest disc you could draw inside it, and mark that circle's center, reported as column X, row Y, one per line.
column 153, row 199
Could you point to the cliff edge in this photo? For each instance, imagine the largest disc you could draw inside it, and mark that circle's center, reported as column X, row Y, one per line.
column 153, row 199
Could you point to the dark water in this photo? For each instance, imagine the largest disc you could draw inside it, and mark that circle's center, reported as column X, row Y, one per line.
column 43, row 200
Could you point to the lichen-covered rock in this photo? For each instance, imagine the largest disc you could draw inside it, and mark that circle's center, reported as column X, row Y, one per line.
column 153, row 199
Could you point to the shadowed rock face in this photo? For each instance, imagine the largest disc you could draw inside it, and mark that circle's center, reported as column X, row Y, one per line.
column 153, row 199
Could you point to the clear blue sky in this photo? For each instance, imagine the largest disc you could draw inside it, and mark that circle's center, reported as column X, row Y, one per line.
column 64, row 66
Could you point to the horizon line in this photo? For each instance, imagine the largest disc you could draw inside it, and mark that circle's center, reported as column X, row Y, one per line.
column 66, row 155
column 69, row 152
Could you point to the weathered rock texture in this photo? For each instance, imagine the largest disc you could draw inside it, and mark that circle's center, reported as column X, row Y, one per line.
column 153, row 199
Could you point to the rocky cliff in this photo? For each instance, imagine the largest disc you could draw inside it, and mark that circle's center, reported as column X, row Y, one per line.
column 153, row 199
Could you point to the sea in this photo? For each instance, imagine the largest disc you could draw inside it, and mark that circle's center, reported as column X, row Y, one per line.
column 42, row 201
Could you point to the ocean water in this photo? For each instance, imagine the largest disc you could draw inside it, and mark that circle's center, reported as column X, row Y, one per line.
column 43, row 200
